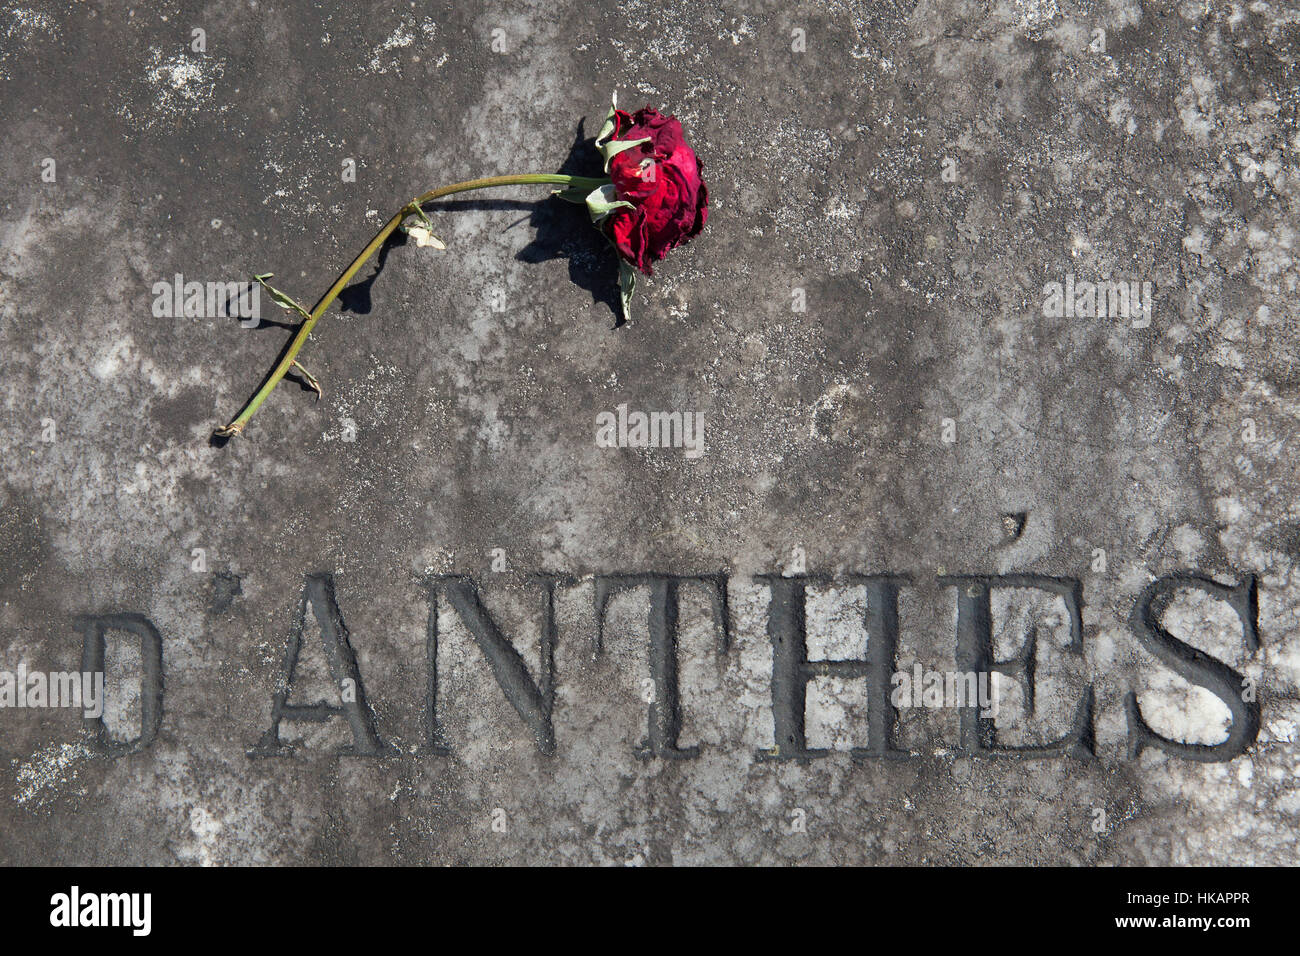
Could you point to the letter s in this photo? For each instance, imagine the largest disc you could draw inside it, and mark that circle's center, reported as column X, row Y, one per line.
column 1196, row 667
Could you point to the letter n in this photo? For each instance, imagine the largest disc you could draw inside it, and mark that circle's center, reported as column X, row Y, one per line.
column 532, row 700
column 319, row 595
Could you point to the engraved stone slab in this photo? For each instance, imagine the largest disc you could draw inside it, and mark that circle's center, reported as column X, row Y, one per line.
column 966, row 531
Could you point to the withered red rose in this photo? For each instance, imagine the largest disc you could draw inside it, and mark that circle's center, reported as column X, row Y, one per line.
column 661, row 179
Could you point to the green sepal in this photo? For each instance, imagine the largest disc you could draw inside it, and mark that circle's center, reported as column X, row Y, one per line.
column 611, row 149
column 626, row 286
column 571, row 194
column 611, row 123
column 603, row 200
column 282, row 300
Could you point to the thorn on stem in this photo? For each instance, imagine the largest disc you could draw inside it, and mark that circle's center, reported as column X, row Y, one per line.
column 310, row 379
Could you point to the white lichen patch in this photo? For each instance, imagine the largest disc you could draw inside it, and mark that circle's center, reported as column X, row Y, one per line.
column 1180, row 711
column 49, row 772
column 836, row 623
column 20, row 27
column 384, row 56
column 1027, row 14
column 835, row 711
column 181, row 87
column 290, row 173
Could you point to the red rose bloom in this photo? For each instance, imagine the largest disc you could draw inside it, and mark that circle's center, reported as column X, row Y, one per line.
column 661, row 179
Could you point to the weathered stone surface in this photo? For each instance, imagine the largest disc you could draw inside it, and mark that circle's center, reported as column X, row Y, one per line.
column 1160, row 150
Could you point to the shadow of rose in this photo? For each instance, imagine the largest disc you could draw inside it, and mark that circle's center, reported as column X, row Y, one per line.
column 562, row 230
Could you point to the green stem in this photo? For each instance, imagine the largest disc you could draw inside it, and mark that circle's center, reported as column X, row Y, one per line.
column 410, row 209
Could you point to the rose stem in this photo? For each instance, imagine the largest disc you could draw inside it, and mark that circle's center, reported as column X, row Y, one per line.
column 288, row 359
